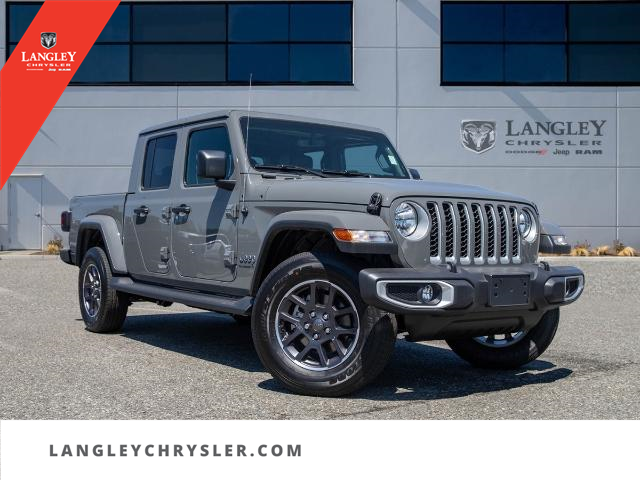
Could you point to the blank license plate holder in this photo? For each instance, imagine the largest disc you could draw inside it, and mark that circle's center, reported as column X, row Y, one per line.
column 509, row 290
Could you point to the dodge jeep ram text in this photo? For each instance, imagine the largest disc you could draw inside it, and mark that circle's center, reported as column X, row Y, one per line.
column 319, row 234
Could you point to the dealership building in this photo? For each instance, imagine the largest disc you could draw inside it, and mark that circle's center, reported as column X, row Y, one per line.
column 541, row 99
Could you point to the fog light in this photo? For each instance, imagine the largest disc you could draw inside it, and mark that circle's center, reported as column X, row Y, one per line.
column 427, row 294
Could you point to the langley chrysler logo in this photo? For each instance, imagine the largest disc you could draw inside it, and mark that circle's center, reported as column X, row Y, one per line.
column 48, row 61
column 48, row 39
column 478, row 135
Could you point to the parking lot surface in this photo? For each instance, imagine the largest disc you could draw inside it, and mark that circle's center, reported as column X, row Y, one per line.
column 180, row 363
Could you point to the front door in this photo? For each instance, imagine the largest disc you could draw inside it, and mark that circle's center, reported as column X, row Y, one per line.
column 25, row 212
column 204, row 222
column 149, row 209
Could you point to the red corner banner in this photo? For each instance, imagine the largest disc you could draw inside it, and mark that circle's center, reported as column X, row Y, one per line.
column 41, row 67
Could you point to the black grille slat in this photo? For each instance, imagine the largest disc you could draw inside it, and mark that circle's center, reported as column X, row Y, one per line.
column 477, row 224
column 449, row 220
column 491, row 232
column 515, row 234
column 503, row 232
column 464, row 230
column 434, row 240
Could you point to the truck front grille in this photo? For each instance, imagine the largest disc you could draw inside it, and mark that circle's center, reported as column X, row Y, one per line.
column 473, row 232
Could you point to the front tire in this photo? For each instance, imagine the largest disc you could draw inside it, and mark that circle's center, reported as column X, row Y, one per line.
column 511, row 352
column 314, row 333
column 103, row 308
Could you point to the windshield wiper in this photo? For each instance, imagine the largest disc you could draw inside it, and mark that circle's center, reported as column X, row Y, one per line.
column 347, row 173
column 290, row 168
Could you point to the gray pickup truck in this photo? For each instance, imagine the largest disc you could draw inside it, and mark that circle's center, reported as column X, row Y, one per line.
column 320, row 235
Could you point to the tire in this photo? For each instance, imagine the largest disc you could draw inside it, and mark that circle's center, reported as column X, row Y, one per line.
column 525, row 350
column 352, row 349
column 111, row 308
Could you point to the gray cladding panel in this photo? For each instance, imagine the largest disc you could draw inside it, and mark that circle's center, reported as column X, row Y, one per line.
column 91, row 136
column 629, row 181
column 565, row 196
column 432, row 136
column 628, row 119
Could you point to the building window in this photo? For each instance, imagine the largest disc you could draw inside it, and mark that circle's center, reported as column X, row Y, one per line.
column 214, row 43
column 540, row 43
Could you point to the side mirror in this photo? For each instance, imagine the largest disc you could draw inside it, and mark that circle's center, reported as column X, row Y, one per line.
column 212, row 164
column 415, row 174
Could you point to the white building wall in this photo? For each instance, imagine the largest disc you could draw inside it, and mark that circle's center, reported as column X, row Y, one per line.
column 86, row 144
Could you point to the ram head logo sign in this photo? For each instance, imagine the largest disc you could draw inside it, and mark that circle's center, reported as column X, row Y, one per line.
column 48, row 39
column 478, row 135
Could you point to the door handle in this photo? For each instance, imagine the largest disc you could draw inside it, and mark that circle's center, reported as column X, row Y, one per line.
column 141, row 211
column 182, row 210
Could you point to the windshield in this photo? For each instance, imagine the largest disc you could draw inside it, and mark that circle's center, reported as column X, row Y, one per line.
column 321, row 148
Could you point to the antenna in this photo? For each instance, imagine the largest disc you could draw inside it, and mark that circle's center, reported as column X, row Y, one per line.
column 249, row 113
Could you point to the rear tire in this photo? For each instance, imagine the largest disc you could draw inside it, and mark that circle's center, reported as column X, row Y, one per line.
column 312, row 330
column 528, row 348
column 103, row 309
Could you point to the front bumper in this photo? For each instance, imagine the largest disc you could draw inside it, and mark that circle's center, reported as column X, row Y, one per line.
column 472, row 300
column 549, row 246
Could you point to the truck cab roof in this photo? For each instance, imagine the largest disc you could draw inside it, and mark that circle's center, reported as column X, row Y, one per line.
column 236, row 114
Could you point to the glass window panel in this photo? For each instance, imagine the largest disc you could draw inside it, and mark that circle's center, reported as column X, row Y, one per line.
column 472, row 63
column 321, row 22
column 104, row 64
column 311, row 145
column 466, row 22
column 604, row 22
column 178, row 63
column 604, row 63
column 535, row 22
column 158, row 163
column 372, row 159
column 267, row 63
column 20, row 17
column 209, row 139
column 535, row 63
column 147, row 168
column 117, row 28
column 179, row 23
column 259, row 23
column 321, row 63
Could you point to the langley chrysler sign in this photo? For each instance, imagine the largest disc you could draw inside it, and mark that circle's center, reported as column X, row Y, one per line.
column 534, row 137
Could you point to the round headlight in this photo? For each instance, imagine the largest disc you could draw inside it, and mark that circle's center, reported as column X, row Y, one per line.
column 527, row 226
column 406, row 219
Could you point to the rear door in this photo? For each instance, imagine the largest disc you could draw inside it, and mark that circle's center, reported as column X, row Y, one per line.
column 149, row 209
column 205, row 214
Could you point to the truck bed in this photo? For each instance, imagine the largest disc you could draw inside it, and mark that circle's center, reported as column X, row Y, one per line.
column 81, row 207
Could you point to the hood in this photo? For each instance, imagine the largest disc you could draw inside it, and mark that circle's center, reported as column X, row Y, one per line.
column 359, row 190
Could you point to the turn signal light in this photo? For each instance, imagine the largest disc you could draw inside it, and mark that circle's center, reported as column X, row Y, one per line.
column 361, row 236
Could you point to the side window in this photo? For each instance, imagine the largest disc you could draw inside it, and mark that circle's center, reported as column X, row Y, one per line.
column 216, row 138
column 158, row 162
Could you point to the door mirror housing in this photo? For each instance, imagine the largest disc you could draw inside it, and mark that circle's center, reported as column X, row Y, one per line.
column 415, row 174
column 212, row 164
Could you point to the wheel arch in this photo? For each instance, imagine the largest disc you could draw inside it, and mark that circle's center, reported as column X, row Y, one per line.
column 102, row 231
column 295, row 232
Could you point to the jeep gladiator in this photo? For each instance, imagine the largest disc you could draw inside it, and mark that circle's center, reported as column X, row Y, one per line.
column 319, row 235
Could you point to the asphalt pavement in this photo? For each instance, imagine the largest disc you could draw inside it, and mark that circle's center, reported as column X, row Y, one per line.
column 180, row 363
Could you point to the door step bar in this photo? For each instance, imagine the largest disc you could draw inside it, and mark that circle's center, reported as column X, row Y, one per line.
column 205, row 301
